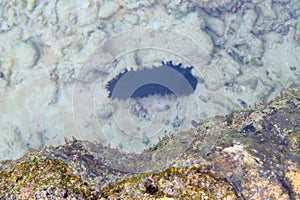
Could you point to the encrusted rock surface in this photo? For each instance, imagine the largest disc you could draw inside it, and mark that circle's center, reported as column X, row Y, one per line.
column 248, row 154
column 186, row 183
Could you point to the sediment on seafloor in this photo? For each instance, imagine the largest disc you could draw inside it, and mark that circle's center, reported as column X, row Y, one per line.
column 250, row 153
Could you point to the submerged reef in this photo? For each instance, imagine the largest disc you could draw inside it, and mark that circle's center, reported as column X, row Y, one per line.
column 248, row 154
column 163, row 80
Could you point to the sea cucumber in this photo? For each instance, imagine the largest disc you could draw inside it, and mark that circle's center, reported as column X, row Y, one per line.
column 167, row 79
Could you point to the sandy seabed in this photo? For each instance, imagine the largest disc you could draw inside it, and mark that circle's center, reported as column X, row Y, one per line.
column 56, row 58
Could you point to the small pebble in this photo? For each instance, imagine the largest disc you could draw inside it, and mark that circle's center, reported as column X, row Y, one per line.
column 27, row 54
column 194, row 123
column 255, row 116
column 132, row 19
column 105, row 112
column 108, row 9
column 30, row 5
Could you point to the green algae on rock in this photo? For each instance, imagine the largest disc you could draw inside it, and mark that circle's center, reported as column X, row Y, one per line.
column 185, row 183
column 43, row 179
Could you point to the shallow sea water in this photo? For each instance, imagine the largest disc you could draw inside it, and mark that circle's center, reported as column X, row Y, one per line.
column 58, row 60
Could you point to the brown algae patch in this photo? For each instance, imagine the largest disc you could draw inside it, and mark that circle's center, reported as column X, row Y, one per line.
column 178, row 183
column 43, row 178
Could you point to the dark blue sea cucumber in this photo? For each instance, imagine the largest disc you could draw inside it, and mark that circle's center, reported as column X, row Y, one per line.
column 167, row 79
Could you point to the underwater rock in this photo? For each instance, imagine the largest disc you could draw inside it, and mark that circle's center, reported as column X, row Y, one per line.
column 131, row 19
column 27, row 54
column 108, row 9
column 132, row 5
column 35, row 178
column 216, row 25
column 106, row 111
column 197, row 184
column 246, row 154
